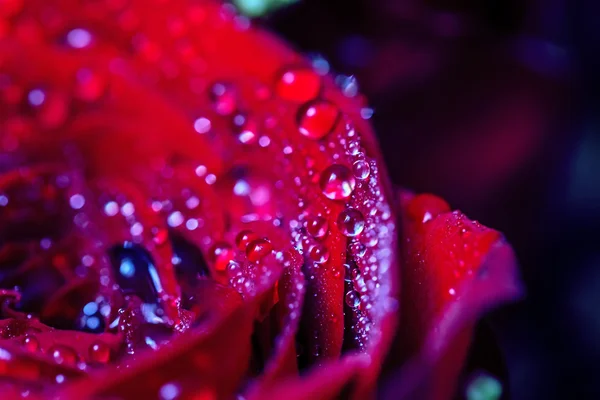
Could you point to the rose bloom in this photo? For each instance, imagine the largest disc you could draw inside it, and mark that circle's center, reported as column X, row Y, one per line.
column 191, row 210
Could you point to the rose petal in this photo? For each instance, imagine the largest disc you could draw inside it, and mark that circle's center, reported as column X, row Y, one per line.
column 455, row 270
column 159, row 68
column 212, row 359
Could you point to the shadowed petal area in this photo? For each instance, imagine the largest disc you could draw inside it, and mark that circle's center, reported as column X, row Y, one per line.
column 454, row 271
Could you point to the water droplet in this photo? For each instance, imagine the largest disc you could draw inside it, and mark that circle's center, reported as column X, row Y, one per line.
column 221, row 254
column 202, row 125
column 337, row 182
column 351, row 222
column 361, row 169
column 320, row 64
column 135, row 273
column 348, row 269
column 175, row 219
column 31, row 343
column 210, row 179
column 319, row 253
column 298, row 85
column 244, row 238
column 348, row 85
column 358, row 248
column 36, row 97
column 128, row 209
column 169, row 391
column 353, row 148
column 63, row 354
column 233, row 268
column 224, row 98
column 111, row 209
column 317, row 119
column 352, row 299
column 425, row 207
column 246, row 129
column 77, row 201
column 99, row 352
column 317, row 226
column 79, row 38
column 264, row 141
column 258, row 249
column 366, row 112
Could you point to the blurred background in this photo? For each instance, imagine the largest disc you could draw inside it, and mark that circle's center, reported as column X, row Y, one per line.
column 491, row 104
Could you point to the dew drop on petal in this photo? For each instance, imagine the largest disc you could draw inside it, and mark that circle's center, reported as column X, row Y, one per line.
column 246, row 129
column 111, row 209
column 202, row 125
column 318, row 253
column 351, row 222
column 425, row 207
column 298, row 85
column 77, row 201
column 79, row 38
column 244, row 238
column 63, row 355
column 258, row 249
column 99, row 352
column 352, row 299
column 224, row 98
column 169, row 391
column 175, row 219
column 361, row 169
column 221, row 254
column 317, row 226
column 317, row 119
column 31, row 343
column 36, row 97
column 337, row 182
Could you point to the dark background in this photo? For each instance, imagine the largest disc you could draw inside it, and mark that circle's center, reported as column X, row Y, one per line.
column 492, row 104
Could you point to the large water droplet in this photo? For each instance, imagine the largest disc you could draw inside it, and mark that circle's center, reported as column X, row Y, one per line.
column 361, row 169
column 298, row 85
column 135, row 271
column 318, row 253
column 337, row 182
column 244, row 238
column 351, row 222
column 317, row 119
column 317, row 226
column 258, row 249
column 221, row 254
column 31, row 343
column 63, row 354
column 352, row 299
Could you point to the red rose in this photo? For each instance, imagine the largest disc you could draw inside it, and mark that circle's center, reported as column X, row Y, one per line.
column 191, row 210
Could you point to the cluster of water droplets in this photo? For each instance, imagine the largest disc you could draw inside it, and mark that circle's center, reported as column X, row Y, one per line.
column 341, row 192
